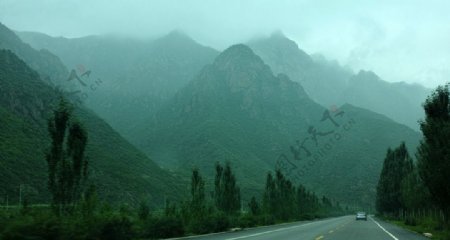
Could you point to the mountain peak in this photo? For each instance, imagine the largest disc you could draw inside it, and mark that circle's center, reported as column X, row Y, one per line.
column 238, row 56
column 367, row 75
column 278, row 34
column 7, row 36
column 238, row 49
column 175, row 38
column 177, row 34
column 276, row 48
column 279, row 39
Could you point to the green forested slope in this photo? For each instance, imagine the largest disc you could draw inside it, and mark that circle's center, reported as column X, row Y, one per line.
column 49, row 67
column 120, row 171
column 137, row 75
column 236, row 110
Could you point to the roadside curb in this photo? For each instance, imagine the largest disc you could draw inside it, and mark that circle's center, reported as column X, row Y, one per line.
column 407, row 229
column 229, row 231
column 243, row 229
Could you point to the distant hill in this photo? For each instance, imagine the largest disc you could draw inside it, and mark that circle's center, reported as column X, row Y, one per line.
column 330, row 84
column 400, row 101
column 136, row 76
column 121, row 172
column 323, row 81
column 237, row 110
column 186, row 106
column 49, row 67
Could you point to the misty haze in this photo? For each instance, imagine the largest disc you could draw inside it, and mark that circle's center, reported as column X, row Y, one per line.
column 251, row 120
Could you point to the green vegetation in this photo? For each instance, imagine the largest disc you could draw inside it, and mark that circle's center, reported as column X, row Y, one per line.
column 78, row 213
column 396, row 166
column 433, row 154
column 424, row 224
column 49, row 67
column 92, row 219
column 227, row 194
column 137, row 76
column 120, row 171
column 236, row 110
column 244, row 115
column 67, row 165
column 418, row 195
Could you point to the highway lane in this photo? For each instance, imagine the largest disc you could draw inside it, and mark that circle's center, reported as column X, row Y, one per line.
column 341, row 228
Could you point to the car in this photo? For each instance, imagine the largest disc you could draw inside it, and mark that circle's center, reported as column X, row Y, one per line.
column 361, row 216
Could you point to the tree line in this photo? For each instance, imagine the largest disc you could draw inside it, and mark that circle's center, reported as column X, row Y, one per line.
column 281, row 202
column 77, row 213
column 407, row 185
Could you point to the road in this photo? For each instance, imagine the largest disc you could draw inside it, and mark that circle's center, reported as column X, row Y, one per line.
column 341, row 228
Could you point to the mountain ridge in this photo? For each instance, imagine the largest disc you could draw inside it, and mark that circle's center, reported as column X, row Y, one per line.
column 138, row 76
column 120, row 171
column 237, row 110
column 331, row 84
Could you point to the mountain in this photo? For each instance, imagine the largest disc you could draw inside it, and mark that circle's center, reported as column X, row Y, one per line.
column 400, row 101
column 136, row 76
column 323, row 81
column 120, row 171
column 49, row 67
column 330, row 84
column 237, row 110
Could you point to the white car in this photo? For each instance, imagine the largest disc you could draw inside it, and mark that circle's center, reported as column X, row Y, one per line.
column 361, row 216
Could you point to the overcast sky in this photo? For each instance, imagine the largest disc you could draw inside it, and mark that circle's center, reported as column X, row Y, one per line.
column 399, row 40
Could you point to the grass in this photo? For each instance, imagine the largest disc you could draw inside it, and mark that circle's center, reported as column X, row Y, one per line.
column 425, row 225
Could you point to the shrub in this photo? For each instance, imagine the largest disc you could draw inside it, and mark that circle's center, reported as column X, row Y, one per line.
column 411, row 221
column 163, row 227
column 268, row 219
column 247, row 221
column 40, row 227
column 216, row 222
column 119, row 228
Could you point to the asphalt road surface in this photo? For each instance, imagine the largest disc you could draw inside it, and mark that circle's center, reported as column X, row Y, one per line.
column 341, row 228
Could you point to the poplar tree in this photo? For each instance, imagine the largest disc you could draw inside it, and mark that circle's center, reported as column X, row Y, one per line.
column 397, row 166
column 269, row 198
column 198, row 201
column 67, row 165
column 253, row 205
column 226, row 193
column 433, row 153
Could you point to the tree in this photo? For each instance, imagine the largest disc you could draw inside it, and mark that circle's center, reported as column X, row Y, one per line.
column 198, row 202
column 285, row 197
column 67, row 165
column 218, row 191
column 143, row 210
column 306, row 203
column 396, row 166
column 414, row 193
column 253, row 205
column 269, row 198
column 170, row 209
column 226, row 192
column 433, row 153
column 279, row 199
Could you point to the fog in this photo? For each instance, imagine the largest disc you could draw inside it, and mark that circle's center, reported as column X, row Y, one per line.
column 402, row 41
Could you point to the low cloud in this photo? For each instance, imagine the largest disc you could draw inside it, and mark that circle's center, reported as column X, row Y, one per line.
column 399, row 40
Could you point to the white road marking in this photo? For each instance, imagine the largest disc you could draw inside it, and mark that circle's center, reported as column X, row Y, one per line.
column 382, row 228
column 271, row 231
